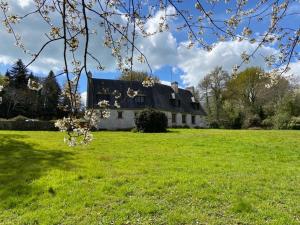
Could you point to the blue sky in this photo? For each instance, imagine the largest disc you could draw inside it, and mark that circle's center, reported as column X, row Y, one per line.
column 166, row 52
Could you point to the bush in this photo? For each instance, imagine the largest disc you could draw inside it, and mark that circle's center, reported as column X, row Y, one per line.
column 294, row 123
column 214, row 124
column 30, row 125
column 282, row 120
column 252, row 121
column 267, row 123
column 151, row 121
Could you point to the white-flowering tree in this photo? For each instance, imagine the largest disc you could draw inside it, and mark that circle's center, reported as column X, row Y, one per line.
column 263, row 22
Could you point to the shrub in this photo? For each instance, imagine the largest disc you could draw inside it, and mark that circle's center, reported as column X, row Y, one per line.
column 30, row 125
column 252, row 121
column 267, row 123
column 281, row 120
column 214, row 124
column 151, row 121
column 294, row 123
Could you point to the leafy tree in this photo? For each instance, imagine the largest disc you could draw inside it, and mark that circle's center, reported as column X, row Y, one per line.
column 212, row 87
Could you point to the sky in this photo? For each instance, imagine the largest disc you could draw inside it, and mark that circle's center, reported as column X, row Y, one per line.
column 166, row 52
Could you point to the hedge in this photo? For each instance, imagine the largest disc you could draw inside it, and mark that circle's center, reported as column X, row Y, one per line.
column 29, row 125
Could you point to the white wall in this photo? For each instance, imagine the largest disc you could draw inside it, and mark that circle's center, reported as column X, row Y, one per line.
column 127, row 122
column 199, row 120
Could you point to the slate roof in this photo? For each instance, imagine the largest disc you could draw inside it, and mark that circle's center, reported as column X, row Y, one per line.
column 157, row 97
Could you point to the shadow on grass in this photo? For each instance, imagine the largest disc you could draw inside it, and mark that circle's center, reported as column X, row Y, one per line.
column 21, row 163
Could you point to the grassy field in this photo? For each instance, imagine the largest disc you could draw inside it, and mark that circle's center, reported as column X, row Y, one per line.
column 181, row 177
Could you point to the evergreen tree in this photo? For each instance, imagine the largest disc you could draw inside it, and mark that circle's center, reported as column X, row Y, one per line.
column 50, row 95
column 18, row 75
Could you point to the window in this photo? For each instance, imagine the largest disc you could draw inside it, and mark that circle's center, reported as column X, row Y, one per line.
column 183, row 118
column 120, row 115
column 173, row 95
column 173, row 118
column 193, row 119
column 139, row 99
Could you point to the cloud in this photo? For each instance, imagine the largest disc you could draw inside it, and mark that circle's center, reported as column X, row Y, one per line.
column 196, row 63
column 83, row 96
column 24, row 3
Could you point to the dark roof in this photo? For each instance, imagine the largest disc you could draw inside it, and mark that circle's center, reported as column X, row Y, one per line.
column 156, row 97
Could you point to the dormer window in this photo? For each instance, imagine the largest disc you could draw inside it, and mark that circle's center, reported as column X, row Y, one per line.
column 193, row 99
column 173, row 95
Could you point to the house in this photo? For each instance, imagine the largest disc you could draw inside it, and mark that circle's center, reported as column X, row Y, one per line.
column 179, row 105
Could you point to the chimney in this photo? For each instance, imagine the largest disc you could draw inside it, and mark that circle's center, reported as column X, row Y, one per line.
column 190, row 89
column 174, row 86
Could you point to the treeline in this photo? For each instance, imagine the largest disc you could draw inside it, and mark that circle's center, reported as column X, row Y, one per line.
column 251, row 98
column 18, row 99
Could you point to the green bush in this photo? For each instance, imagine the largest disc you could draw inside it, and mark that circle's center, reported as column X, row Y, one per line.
column 282, row 120
column 267, row 123
column 294, row 123
column 252, row 121
column 27, row 125
column 151, row 121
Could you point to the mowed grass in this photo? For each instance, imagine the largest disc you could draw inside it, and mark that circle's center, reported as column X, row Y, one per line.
column 179, row 177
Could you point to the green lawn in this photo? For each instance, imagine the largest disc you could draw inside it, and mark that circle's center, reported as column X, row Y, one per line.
column 181, row 177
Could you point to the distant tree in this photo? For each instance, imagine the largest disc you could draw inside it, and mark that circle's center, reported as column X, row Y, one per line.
column 69, row 104
column 136, row 76
column 17, row 98
column 204, row 90
column 212, row 88
column 3, row 80
column 50, row 95
column 18, row 75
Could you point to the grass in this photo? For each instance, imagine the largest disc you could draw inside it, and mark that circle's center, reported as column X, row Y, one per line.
column 180, row 177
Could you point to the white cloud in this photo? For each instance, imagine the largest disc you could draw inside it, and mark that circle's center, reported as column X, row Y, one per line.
column 83, row 96
column 196, row 63
column 24, row 3
column 168, row 83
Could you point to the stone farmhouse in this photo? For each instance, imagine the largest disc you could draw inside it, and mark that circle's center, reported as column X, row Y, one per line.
column 179, row 105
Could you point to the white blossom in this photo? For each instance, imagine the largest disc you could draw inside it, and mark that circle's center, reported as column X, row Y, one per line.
column 34, row 85
column 103, row 104
column 148, row 82
column 131, row 93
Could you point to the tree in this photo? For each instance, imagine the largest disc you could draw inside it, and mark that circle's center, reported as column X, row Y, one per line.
column 137, row 76
column 17, row 98
column 213, row 86
column 255, row 95
column 50, row 95
column 18, row 75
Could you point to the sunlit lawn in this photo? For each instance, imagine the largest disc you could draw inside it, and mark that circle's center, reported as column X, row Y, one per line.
column 180, row 177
